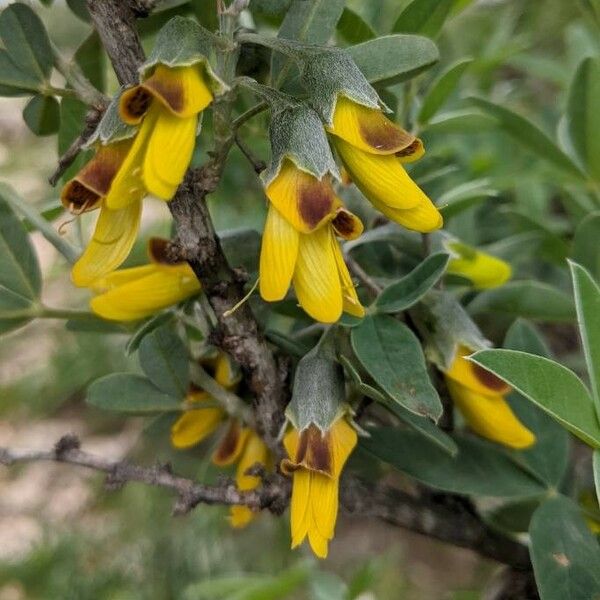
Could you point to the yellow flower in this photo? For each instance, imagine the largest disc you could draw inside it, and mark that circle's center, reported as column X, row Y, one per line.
column 373, row 149
column 316, row 460
column 484, row 270
column 480, row 397
column 196, row 424
column 138, row 292
column 167, row 105
column 116, row 230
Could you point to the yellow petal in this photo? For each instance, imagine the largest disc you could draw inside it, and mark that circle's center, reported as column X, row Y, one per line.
column 168, row 154
column 351, row 303
column 254, row 452
column 240, row 516
column 368, row 129
column 324, row 504
column 278, row 255
column 490, row 416
column 225, row 374
column 411, row 153
column 484, row 270
column 128, row 185
column 299, row 506
column 231, row 445
column 147, row 295
column 304, row 201
column 290, row 442
column 473, row 376
column 343, row 440
column 195, row 425
column 114, row 236
column 120, row 277
column 316, row 278
column 318, row 543
column 381, row 179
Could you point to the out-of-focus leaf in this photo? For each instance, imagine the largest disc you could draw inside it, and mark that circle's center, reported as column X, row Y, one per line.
column 353, row 28
column 554, row 388
column 402, row 294
column 480, row 468
column 565, row 554
column 242, row 248
column 327, row 586
column 549, row 456
column 13, row 80
column 528, row 299
column 393, row 58
column 164, row 358
column 49, row 211
column 441, row 89
column 42, row 115
column 460, row 122
column 583, row 117
column 130, row 393
column 79, row 7
column 587, row 302
column 586, row 249
column 426, row 17
column 206, row 13
column 392, row 356
column 528, row 134
column 463, row 196
column 91, row 59
column 26, row 41
column 148, row 326
column 596, row 465
column 513, row 517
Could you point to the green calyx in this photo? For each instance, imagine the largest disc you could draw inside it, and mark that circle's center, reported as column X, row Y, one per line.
column 111, row 128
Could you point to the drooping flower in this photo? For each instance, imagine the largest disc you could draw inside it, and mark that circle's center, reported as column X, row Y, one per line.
column 138, row 292
column 373, row 150
column 479, row 395
column 484, row 270
column 166, row 105
column 116, row 230
column 316, row 460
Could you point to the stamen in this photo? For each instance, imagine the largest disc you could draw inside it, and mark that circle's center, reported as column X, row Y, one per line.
column 229, row 312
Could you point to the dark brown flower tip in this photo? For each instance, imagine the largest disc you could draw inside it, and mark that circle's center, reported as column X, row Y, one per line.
column 78, row 198
column 316, row 200
column 161, row 251
column 385, row 136
column 414, row 150
column 134, row 104
column 347, row 225
column 230, row 445
column 489, row 379
column 313, row 453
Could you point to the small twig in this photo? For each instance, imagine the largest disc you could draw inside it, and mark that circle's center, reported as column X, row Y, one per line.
column 246, row 116
column 258, row 165
column 363, row 276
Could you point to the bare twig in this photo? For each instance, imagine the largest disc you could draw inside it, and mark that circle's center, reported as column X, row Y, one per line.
column 258, row 165
column 363, row 276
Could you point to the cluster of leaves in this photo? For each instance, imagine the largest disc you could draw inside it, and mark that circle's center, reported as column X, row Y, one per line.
column 550, row 214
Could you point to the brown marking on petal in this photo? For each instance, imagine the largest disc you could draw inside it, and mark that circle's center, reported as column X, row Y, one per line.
column 134, row 104
column 489, row 379
column 413, row 148
column 316, row 449
column 346, row 225
column 78, row 198
column 315, row 200
column 228, row 444
column 161, row 252
column 170, row 91
column 385, row 135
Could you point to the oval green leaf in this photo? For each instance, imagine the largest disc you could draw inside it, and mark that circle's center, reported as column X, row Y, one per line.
column 426, row 17
column 42, row 115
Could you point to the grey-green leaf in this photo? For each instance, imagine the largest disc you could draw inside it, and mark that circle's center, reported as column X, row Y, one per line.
column 26, row 41
column 164, row 358
column 586, row 249
column 42, row 115
column 441, row 89
column 554, row 388
column 130, row 393
column 529, row 135
column 353, row 28
column 426, row 17
column 480, row 468
column 528, row 299
column 13, row 80
column 402, row 294
column 393, row 357
column 393, row 58
column 587, row 301
column 583, row 117
column 565, row 554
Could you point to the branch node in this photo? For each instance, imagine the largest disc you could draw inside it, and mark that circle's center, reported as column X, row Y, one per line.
column 65, row 444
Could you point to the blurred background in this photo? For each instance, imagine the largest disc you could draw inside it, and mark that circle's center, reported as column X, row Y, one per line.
column 62, row 536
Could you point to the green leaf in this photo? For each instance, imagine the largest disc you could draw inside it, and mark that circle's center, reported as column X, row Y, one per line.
column 583, row 117
column 409, row 290
column 26, row 41
column 79, row 7
column 587, row 302
column 596, row 466
column 91, row 59
column 480, row 468
column 42, row 115
column 565, row 554
column 528, row 134
column 353, row 28
column 72, row 122
column 529, row 299
column 392, row 356
column 162, row 318
column 554, row 388
column 586, row 250
column 13, row 80
column 130, row 393
column 549, row 456
column 463, row 196
column 441, row 89
column 460, row 122
column 164, row 358
column 393, row 58
column 424, row 16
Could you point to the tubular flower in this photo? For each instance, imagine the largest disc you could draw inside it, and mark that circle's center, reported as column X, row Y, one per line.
column 138, row 292
column 197, row 423
column 299, row 246
column 480, row 397
column 167, row 105
column 316, row 460
column 116, row 230
column 373, row 149
column 484, row 270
